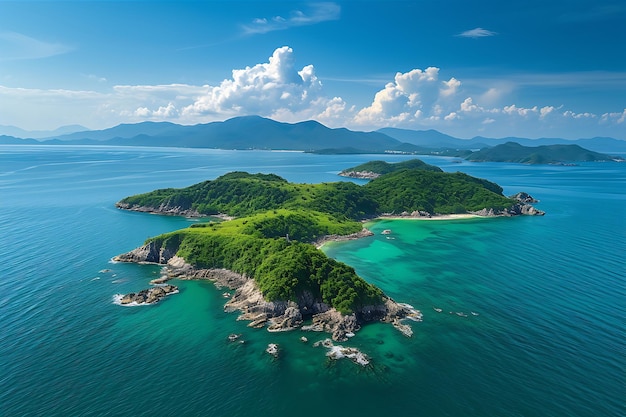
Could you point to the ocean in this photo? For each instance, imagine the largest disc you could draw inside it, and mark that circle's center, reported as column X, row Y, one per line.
column 522, row 316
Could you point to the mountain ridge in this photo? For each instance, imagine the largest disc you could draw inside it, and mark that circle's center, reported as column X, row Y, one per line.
column 255, row 132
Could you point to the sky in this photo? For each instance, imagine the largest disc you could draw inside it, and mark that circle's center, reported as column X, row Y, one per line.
column 466, row 68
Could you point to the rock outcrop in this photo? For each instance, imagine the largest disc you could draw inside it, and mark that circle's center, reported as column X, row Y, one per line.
column 148, row 296
column 524, row 198
column 162, row 209
column 366, row 175
column 149, row 253
column 337, row 238
column 522, row 207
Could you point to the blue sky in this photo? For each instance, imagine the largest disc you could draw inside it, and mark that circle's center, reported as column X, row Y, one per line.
column 466, row 68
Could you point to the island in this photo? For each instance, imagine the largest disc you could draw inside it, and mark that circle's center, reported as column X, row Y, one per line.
column 545, row 154
column 267, row 251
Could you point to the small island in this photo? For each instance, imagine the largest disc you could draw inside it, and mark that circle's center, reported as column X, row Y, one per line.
column 267, row 252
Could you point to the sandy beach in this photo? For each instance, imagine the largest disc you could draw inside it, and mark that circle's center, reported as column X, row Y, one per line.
column 366, row 232
column 434, row 217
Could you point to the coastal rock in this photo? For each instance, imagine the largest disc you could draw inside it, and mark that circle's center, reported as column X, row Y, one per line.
column 336, row 352
column 517, row 209
column 248, row 299
column 486, row 213
column 162, row 209
column 366, row 175
column 524, row 209
column 291, row 319
column 524, row 198
column 335, row 323
column 151, row 252
column 336, row 238
column 272, row 349
column 148, row 296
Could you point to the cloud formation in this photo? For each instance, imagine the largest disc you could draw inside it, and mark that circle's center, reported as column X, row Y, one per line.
column 317, row 13
column 267, row 88
column 280, row 89
column 408, row 98
column 477, row 33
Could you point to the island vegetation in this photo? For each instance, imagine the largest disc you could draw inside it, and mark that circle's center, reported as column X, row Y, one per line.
column 275, row 223
column 545, row 154
column 375, row 169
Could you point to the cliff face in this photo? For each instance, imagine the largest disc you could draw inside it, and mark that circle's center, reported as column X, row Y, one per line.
column 282, row 315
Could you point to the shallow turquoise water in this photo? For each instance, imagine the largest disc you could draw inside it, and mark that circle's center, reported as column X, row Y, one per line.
column 549, row 294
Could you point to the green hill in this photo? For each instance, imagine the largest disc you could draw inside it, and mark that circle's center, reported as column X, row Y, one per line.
column 435, row 192
column 284, row 269
column 547, row 154
column 242, row 194
column 382, row 167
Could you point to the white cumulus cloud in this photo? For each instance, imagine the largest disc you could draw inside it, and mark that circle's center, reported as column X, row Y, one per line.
column 264, row 89
column 400, row 100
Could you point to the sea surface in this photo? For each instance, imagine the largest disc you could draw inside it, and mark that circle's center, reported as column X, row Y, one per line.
column 532, row 319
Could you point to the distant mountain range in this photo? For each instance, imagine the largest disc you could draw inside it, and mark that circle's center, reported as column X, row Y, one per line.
column 254, row 132
column 39, row 134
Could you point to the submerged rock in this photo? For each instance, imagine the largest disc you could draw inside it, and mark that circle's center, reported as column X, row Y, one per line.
column 272, row 349
column 337, row 352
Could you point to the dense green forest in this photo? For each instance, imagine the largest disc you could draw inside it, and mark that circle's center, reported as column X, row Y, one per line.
column 403, row 189
column 435, row 192
column 275, row 222
column 546, row 154
column 382, row 167
column 269, row 247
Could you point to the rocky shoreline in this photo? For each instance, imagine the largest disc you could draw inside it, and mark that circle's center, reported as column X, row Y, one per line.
column 167, row 210
column 363, row 175
column 338, row 238
column 522, row 207
column 276, row 316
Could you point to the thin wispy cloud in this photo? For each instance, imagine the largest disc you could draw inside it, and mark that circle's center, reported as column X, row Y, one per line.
column 17, row 46
column 477, row 33
column 317, row 13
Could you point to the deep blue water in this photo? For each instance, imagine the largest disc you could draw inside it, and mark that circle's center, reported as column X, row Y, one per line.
column 549, row 293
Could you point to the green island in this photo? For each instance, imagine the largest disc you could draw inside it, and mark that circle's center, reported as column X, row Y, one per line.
column 545, row 154
column 267, row 247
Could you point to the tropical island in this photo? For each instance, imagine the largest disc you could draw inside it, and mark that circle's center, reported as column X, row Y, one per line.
column 267, row 248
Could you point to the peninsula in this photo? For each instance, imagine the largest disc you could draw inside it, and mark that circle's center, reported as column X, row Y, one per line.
column 266, row 251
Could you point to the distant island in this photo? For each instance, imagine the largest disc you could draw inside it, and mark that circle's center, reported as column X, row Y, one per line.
column 375, row 169
column 267, row 250
column 254, row 132
column 546, row 154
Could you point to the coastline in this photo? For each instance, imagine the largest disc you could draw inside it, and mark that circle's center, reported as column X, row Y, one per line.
column 433, row 217
column 366, row 232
